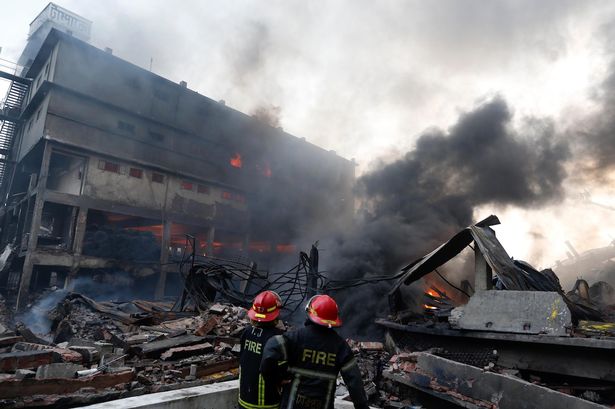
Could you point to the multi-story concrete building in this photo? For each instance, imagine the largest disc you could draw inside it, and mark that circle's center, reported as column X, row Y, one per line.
column 109, row 166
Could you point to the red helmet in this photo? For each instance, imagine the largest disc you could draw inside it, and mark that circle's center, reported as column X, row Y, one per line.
column 266, row 307
column 322, row 310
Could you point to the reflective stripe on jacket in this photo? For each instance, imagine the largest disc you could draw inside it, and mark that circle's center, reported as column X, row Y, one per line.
column 254, row 391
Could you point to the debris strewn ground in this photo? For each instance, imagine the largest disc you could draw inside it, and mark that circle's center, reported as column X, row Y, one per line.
column 97, row 351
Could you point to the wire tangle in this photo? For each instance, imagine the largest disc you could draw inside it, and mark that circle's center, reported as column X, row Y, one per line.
column 240, row 281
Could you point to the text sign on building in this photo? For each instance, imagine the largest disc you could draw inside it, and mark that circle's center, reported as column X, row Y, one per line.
column 77, row 25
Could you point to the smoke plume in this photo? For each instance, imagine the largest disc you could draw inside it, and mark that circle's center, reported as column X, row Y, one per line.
column 269, row 115
column 597, row 142
column 413, row 204
column 247, row 53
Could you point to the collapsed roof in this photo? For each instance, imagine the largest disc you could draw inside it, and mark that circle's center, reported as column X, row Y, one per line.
column 511, row 274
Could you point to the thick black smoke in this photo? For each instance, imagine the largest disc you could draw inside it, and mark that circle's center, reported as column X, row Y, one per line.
column 268, row 114
column 599, row 140
column 414, row 203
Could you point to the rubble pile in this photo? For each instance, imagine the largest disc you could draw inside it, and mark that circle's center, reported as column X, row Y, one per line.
column 81, row 323
column 473, row 345
column 374, row 359
column 99, row 351
column 371, row 357
column 404, row 366
column 5, row 315
column 514, row 328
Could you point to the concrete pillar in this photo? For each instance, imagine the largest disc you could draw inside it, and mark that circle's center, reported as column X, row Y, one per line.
column 312, row 280
column 245, row 251
column 246, row 245
column 164, row 258
column 82, row 216
column 483, row 274
column 21, row 221
column 210, row 241
column 26, row 274
column 246, row 281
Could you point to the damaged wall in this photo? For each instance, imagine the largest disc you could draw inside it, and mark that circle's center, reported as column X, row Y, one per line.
column 156, row 150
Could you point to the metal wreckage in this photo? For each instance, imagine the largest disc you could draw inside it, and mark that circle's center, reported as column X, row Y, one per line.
column 511, row 339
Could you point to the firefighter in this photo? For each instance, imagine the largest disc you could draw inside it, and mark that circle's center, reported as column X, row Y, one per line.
column 315, row 355
column 254, row 391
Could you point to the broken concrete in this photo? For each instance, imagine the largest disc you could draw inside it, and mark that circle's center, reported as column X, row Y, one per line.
column 501, row 391
column 60, row 370
column 522, row 312
column 24, row 373
column 12, row 361
column 88, row 354
column 156, row 348
column 14, row 388
column 10, row 340
column 182, row 352
column 60, row 354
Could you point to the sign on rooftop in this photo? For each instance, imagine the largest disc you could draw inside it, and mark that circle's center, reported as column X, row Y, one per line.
column 62, row 18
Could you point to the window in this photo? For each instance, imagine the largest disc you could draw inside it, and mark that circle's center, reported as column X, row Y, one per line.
column 47, row 69
column 156, row 136
column 136, row 173
column 202, row 189
column 38, row 114
column 186, row 185
column 29, row 125
column 125, row 126
column 109, row 166
column 237, row 197
column 65, row 173
column 157, row 177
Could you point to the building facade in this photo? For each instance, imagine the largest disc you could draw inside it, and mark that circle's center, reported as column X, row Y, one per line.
column 111, row 166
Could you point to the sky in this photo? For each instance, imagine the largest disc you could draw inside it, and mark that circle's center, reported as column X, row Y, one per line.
column 368, row 78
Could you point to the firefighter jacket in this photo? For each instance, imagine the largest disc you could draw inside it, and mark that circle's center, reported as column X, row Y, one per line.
column 315, row 356
column 254, row 391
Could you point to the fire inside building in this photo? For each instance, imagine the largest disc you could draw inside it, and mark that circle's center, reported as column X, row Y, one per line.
column 139, row 219
column 107, row 167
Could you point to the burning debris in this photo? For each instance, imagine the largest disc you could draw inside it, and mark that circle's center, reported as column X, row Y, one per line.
column 259, row 194
column 437, row 303
column 515, row 329
column 109, row 350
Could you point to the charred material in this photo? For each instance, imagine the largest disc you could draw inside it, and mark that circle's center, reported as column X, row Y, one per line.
column 509, row 274
column 111, row 350
column 238, row 283
column 517, row 323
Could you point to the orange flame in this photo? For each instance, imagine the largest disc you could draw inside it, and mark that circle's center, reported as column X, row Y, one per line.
column 285, row 248
column 259, row 246
column 433, row 293
column 430, row 307
column 236, row 161
column 265, row 170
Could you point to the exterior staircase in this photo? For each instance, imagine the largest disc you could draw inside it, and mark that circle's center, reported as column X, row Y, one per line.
column 10, row 111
